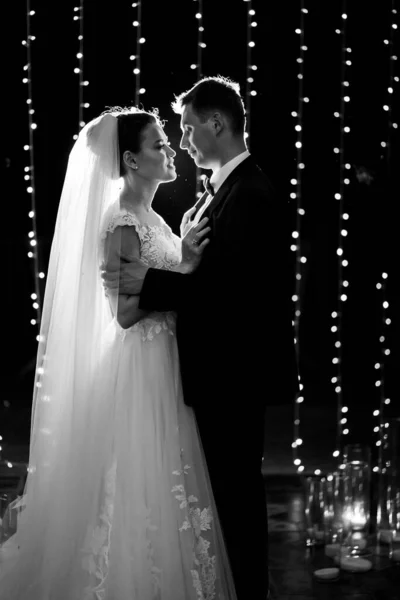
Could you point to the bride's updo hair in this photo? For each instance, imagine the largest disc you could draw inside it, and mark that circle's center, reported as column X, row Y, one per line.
column 131, row 123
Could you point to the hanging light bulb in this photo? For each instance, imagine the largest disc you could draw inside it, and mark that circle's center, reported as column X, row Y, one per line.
column 296, row 182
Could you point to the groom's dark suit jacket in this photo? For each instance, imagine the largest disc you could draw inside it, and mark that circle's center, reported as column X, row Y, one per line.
column 234, row 327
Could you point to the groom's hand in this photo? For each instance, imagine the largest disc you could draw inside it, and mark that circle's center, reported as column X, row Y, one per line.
column 127, row 279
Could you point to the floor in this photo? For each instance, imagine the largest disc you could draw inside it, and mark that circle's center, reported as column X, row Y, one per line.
column 291, row 566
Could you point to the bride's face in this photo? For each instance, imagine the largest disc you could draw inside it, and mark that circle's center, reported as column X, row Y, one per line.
column 155, row 161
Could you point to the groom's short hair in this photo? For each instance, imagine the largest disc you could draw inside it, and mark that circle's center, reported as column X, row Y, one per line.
column 215, row 93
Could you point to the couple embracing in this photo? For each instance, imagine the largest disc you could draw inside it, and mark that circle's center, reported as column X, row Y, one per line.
column 157, row 358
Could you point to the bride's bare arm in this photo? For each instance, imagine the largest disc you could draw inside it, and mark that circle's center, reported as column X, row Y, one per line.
column 123, row 248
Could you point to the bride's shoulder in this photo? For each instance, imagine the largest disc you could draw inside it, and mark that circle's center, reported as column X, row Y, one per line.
column 118, row 216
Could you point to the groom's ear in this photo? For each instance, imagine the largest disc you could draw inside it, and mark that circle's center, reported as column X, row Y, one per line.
column 217, row 123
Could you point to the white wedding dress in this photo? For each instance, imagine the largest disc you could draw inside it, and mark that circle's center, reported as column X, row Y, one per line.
column 149, row 530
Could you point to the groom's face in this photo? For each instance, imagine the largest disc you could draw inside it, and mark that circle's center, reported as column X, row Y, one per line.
column 198, row 138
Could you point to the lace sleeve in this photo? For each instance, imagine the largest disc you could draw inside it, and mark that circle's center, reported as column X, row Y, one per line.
column 114, row 244
column 119, row 219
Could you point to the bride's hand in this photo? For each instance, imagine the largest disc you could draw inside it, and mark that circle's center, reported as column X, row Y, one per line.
column 186, row 222
column 193, row 247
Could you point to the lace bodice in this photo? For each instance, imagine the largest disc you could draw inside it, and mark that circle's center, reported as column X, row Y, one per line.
column 160, row 248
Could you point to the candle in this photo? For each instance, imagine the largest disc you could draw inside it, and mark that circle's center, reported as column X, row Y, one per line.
column 328, row 515
column 327, row 574
column 355, row 517
column 355, row 564
column 358, row 519
column 358, row 541
column 396, row 555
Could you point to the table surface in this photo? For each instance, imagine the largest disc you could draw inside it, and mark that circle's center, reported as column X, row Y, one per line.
column 292, row 564
column 381, row 582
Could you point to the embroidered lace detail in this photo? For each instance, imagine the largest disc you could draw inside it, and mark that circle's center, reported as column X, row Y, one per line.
column 97, row 542
column 118, row 218
column 160, row 248
column 149, row 327
column 199, row 521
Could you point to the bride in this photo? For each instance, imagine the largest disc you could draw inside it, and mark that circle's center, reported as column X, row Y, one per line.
column 118, row 503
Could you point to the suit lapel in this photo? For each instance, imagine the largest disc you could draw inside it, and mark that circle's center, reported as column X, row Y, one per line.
column 199, row 204
column 241, row 170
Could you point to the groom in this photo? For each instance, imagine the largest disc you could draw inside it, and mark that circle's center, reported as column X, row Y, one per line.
column 234, row 328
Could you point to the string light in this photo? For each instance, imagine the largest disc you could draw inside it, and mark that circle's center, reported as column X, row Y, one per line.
column 379, row 414
column 337, row 316
column 387, row 107
column 29, row 177
column 380, row 424
column 251, row 67
column 198, row 67
column 136, row 58
column 79, row 18
column 29, row 171
column 296, row 234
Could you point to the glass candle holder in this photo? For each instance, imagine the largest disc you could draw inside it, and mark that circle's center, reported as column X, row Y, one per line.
column 388, row 507
column 356, row 500
column 333, row 514
column 315, row 505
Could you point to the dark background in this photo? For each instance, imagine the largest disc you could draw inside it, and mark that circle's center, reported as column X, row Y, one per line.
column 170, row 29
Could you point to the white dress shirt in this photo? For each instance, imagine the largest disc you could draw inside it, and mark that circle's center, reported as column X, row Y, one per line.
column 218, row 178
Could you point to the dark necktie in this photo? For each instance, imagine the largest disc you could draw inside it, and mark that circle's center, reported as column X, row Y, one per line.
column 209, row 190
column 208, row 186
